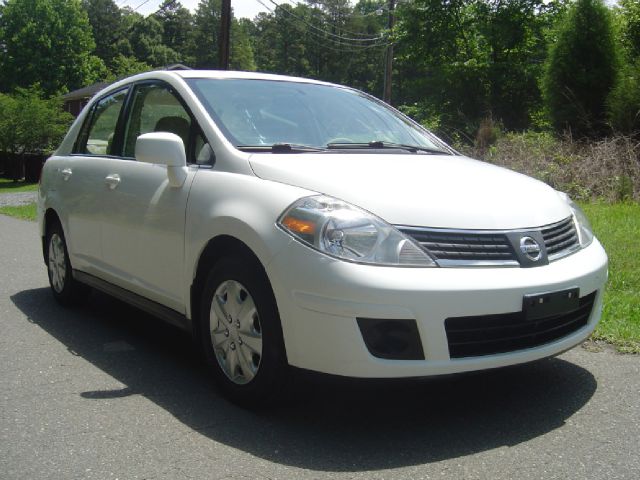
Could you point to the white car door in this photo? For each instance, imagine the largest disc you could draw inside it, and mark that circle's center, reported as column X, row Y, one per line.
column 81, row 180
column 143, row 216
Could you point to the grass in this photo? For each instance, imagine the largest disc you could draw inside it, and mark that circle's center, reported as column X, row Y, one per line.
column 25, row 212
column 617, row 226
column 9, row 186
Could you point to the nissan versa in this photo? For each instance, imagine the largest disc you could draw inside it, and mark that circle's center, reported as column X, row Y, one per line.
column 289, row 222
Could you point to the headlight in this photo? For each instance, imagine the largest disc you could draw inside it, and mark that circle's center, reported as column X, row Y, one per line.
column 585, row 232
column 347, row 232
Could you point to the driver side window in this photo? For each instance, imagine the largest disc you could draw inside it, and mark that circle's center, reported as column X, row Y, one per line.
column 155, row 108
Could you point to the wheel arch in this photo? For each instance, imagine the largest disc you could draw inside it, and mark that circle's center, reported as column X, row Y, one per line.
column 218, row 247
column 50, row 217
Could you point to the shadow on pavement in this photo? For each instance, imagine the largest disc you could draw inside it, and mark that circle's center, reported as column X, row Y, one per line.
column 329, row 424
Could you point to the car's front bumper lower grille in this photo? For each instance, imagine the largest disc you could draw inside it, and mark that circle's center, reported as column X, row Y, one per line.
column 491, row 334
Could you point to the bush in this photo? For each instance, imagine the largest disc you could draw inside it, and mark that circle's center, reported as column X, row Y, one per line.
column 30, row 123
column 608, row 169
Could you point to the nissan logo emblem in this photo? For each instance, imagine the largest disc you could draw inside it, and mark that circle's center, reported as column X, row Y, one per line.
column 530, row 248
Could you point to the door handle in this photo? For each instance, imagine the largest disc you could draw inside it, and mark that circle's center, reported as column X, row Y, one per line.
column 66, row 173
column 112, row 180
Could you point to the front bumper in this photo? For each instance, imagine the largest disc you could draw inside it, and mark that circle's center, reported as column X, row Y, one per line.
column 320, row 298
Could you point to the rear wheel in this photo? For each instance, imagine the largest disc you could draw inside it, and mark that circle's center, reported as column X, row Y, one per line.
column 66, row 290
column 242, row 335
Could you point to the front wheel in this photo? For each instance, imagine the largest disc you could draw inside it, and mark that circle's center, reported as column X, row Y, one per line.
column 242, row 338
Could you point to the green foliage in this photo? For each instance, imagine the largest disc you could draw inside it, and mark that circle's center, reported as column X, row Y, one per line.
column 624, row 100
column 474, row 59
column 206, row 31
column 31, row 123
column 456, row 62
column 146, row 42
column 241, row 49
column 629, row 19
column 330, row 40
column 108, row 28
column 47, row 42
column 125, row 66
column 581, row 70
column 177, row 29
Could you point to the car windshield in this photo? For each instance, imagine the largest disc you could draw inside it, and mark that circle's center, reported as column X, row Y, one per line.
column 267, row 113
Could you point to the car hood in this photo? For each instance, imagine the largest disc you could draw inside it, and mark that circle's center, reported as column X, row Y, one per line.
column 441, row 191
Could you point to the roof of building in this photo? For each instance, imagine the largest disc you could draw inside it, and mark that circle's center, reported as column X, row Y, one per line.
column 84, row 92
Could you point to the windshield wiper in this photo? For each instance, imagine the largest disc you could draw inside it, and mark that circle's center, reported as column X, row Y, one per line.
column 280, row 148
column 377, row 144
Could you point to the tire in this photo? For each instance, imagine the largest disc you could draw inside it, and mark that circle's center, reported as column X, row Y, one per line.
column 66, row 290
column 241, row 333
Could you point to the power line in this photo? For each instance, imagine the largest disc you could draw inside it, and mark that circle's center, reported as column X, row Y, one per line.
column 141, row 4
column 326, row 32
column 337, row 43
column 370, row 38
column 378, row 12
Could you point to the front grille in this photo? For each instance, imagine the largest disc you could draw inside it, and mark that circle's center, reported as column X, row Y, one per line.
column 509, row 332
column 452, row 248
column 560, row 238
column 465, row 247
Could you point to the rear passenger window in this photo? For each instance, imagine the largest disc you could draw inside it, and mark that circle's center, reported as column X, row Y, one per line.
column 99, row 132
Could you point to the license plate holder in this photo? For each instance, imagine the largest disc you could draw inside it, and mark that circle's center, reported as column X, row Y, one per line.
column 548, row 304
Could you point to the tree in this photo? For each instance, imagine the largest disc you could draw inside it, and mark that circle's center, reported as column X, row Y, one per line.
column 123, row 66
column 30, row 123
column 241, row 49
column 146, row 42
column 177, row 29
column 108, row 29
column 581, row 70
column 49, row 42
column 445, row 62
column 206, row 28
column 624, row 100
column 630, row 26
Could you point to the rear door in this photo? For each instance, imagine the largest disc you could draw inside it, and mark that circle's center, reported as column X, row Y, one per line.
column 81, row 181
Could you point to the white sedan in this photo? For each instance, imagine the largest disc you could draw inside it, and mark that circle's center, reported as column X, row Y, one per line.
column 289, row 222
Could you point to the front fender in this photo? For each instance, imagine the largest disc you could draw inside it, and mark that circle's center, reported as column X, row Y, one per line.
column 240, row 206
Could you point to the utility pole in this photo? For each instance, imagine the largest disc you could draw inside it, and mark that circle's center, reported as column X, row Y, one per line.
column 388, row 66
column 224, row 37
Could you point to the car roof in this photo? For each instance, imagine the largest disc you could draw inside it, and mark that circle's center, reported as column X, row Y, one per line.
column 213, row 74
column 242, row 75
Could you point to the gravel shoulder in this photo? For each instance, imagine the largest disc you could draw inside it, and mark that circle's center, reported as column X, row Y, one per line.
column 18, row 198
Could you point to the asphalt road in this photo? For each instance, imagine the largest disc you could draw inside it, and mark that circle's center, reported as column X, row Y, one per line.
column 105, row 392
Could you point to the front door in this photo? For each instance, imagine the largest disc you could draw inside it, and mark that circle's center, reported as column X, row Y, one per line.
column 144, row 217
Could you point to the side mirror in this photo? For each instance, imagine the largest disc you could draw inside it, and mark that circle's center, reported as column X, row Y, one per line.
column 164, row 148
